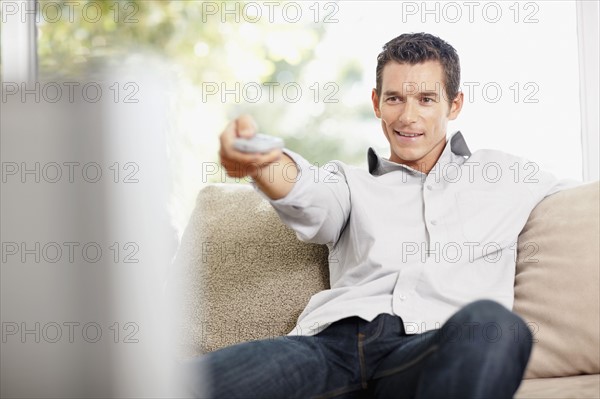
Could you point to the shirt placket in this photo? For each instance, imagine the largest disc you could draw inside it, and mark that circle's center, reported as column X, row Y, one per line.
column 408, row 276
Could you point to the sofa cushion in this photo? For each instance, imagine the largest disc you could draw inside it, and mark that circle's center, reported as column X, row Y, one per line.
column 249, row 286
column 579, row 386
column 557, row 283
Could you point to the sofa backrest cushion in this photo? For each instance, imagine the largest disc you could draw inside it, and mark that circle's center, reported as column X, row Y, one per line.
column 557, row 283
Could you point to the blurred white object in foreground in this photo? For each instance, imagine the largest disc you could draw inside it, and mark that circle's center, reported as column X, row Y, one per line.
column 86, row 242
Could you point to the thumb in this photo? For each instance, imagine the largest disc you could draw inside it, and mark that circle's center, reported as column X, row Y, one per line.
column 246, row 127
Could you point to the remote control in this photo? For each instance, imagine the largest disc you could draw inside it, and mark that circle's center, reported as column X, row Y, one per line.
column 258, row 143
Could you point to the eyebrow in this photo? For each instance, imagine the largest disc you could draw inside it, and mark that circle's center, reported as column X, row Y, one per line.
column 422, row 93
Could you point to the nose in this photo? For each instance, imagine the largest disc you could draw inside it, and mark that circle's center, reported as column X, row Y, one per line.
column 409, row 113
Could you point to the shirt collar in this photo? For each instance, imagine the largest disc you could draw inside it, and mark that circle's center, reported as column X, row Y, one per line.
column 379, row 166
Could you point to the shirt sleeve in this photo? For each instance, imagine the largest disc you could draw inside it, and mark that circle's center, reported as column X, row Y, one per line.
column 543, row 183
column 318, row 205
column 562, row 184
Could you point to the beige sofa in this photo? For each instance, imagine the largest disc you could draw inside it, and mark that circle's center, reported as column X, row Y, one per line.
column 248, row 277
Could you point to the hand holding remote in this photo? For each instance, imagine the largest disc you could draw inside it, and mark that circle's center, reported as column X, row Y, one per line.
column 243, row 152
column 271, row 171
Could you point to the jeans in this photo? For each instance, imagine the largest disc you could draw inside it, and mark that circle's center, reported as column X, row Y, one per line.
column 480, row 352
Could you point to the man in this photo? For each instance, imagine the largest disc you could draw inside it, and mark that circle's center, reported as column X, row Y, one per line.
column 422, row 253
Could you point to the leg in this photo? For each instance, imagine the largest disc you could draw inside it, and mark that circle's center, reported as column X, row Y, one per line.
column 283, row 367
column 485, row 356
column 480, row 352
column 397, row 375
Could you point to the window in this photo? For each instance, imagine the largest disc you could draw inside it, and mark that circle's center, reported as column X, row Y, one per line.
column 305, row 71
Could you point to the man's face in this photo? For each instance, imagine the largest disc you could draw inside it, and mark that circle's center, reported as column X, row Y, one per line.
column 414, row 112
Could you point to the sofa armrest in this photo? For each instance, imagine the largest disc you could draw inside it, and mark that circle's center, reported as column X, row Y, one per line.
column 246, row 276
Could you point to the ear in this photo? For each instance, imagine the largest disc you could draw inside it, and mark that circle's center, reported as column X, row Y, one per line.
column 375, row 100
column 456, row 106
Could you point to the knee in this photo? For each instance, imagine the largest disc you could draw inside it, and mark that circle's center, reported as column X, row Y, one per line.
column 486, row 311
column 487, row 321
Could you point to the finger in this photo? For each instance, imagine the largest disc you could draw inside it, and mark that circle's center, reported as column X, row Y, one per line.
column 238, row 168
column 228, row 136
column 245, row 161
column 271, row 156
column 258, row 158
column 266, row 159
column 234, row 156
column 246, row 126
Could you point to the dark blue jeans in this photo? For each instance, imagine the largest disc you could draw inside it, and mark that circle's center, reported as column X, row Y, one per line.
column 480, row 352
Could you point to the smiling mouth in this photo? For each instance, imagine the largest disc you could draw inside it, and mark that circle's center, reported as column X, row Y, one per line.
column 407, row 134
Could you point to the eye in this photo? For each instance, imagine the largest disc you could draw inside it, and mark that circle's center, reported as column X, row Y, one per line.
column 428, row 100
column 393, row 99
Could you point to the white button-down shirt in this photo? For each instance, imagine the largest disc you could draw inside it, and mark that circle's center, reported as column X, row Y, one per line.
column 415, row 245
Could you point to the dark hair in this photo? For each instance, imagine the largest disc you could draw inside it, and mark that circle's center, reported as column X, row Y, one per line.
column 415, row 48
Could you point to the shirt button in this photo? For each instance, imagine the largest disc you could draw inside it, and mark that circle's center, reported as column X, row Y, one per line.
column 429, row 187
column 433, row 222
column 402, row 297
